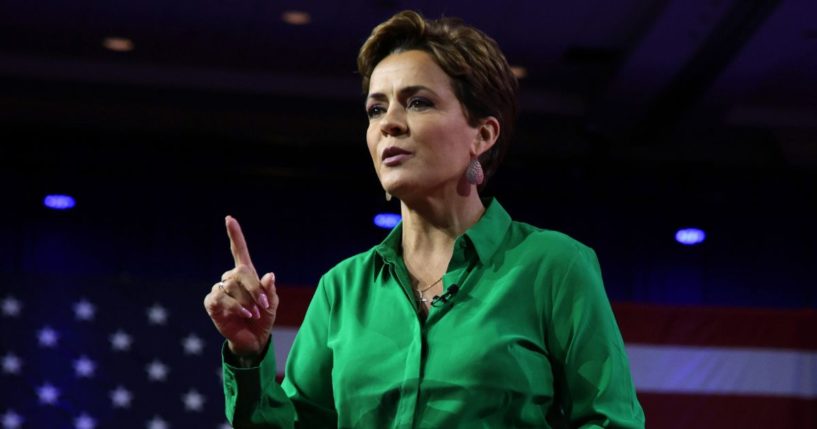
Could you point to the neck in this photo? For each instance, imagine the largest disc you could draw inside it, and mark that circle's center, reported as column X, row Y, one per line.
column 432, row 225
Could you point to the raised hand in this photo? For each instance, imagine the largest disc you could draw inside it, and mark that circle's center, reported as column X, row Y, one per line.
column 241, row 305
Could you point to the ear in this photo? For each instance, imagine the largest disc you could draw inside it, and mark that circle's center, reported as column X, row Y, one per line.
column 487, row 134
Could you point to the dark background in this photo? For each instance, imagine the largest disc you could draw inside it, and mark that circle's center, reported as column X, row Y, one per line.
column 637, row 118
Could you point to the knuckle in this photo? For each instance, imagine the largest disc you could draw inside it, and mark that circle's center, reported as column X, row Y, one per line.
column 256, row 291
column 243, row 270
column 210, row 304
column 241, row 300
column 237, row 310
column 233, row 287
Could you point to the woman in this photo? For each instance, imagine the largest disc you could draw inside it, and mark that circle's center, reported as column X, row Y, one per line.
column 461, row 317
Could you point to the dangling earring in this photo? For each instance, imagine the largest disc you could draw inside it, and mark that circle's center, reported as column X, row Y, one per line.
column 388, row 196
column 474, row 174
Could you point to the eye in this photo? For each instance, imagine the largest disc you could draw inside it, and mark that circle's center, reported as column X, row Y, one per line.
column 374, row 111
column 419, row 103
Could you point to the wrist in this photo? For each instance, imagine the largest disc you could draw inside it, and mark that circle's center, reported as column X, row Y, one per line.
column 245, row 358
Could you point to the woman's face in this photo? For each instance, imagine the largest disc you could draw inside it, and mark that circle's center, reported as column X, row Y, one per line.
column 418, row 136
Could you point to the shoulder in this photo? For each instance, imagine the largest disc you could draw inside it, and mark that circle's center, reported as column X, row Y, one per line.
column 354, row 270
column 551, row 256
column 545, row 243
column 563, row 268
column 353, row 265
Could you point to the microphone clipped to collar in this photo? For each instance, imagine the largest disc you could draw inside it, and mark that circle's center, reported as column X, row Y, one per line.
column 445, row 297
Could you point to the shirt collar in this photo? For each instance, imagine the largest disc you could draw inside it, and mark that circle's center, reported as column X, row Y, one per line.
column 486, row 235
column 389, row 249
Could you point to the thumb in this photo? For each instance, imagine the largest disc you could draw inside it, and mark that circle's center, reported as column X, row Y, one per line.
column 268, row 298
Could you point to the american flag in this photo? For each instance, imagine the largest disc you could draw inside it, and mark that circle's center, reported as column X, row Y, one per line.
column 91, row 353
column 146, row 356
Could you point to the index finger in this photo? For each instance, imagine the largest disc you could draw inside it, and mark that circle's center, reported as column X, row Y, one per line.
column 241, row 255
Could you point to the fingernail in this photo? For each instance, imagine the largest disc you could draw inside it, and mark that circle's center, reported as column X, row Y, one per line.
column 256, row 311
column 264, row 302
column 246, row 312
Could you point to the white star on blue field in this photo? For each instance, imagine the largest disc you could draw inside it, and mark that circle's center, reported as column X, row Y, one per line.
column 102, row 358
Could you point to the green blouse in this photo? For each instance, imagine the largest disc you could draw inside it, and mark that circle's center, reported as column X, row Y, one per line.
column 528, row 340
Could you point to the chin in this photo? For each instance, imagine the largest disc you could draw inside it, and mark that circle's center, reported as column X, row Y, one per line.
column 398, row 189
column 393, row 190
column 394, row 183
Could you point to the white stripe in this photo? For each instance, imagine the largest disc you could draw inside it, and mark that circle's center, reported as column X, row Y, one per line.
column 282, row 336
column 711, row 370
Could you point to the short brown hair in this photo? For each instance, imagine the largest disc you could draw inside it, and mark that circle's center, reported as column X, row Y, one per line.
column 480, row 75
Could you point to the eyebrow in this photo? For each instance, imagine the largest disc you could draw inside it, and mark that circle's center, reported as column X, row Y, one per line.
column 404, row 92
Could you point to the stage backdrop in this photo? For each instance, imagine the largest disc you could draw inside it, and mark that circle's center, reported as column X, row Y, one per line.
column 96, row 353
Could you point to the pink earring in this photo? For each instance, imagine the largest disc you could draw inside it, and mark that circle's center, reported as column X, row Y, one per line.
column 474, row 174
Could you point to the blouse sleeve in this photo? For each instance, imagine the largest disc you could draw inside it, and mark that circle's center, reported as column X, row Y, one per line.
column 254, row 399
column 593, row 381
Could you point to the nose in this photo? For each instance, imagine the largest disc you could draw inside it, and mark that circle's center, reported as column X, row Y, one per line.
column 393, row 122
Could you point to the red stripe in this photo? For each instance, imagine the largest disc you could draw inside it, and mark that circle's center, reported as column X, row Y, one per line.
column 292, row 304
column 670, row 411
column 717, row 327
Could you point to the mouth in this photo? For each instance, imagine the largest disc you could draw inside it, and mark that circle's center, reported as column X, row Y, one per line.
column 394, row 155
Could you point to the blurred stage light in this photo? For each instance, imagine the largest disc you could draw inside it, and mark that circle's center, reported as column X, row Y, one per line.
column 519, row 71
column 296, row 17
column 118, row 44
column 59, row 202
column 387, row 220
column 690, row 236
